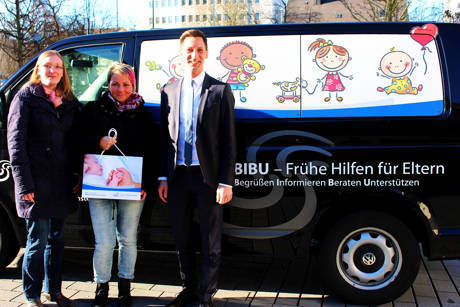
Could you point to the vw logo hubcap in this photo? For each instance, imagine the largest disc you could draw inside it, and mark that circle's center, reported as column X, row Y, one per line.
column 369, row 259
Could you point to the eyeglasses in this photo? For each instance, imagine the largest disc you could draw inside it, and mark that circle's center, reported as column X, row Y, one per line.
column 57, row 67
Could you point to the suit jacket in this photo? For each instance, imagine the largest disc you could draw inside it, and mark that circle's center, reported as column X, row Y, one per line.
column 215, row 131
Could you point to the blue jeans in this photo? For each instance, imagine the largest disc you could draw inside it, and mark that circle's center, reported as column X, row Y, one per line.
column 43, row 257
column 114, row 220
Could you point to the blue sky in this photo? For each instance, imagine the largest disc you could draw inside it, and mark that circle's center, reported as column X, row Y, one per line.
column 129, row 11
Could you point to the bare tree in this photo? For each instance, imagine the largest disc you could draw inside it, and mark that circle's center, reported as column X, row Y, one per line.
column 377, row 10
column 19, row 23
column 229, row 12
column 450, row 16
column 305, row 14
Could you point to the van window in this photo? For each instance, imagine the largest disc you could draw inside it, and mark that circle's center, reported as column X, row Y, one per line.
column 87, row 68
column 311, row 76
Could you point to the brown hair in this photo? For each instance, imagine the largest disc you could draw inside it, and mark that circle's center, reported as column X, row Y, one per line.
column 124, row 69
column 64, row 87
column 324, row 48
column 193, row 33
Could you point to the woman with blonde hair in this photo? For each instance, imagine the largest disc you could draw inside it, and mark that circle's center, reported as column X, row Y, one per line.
column 39, row 121
column 116, row 220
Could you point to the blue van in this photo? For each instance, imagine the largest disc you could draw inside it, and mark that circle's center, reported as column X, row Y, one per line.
column 348, row 143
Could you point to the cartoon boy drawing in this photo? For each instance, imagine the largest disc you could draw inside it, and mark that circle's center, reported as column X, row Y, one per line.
column 332, row 59
column 231, row 57
column 398, row 66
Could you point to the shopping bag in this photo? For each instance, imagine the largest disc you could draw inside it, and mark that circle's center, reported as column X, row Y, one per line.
column 112, row 177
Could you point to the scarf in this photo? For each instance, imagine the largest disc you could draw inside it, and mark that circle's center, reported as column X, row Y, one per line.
column 133, row 102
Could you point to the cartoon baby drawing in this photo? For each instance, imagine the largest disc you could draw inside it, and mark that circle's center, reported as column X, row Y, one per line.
column 332, row 59
column 398, row 66
column 248, row 69
column 231, row 57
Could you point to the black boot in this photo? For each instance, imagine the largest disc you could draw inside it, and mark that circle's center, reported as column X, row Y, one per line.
column 124, row 292
column 102, row 295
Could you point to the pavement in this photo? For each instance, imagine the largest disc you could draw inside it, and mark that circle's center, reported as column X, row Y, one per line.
column 243, row 281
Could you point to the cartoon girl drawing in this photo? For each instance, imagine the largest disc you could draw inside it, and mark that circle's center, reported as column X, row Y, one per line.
column 398, row 66
column 231, row 57
column 331, row 58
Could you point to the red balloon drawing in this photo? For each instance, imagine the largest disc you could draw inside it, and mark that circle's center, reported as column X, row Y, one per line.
column 425, row 34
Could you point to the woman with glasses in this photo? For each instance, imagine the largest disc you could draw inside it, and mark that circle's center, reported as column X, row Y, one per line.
column 39, row 121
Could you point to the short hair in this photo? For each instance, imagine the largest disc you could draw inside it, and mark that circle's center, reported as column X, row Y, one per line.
column 193, row 33
column 124, row 69
column 64, row 86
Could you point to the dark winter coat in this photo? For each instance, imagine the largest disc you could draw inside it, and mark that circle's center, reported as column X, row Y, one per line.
column 39, row 153
column 135, row 133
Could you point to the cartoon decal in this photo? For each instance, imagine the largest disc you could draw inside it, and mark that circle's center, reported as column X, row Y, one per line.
column 289, row 89
column 238, row 58
column 423, row 35
column 332, row 59
column 398, row 66
column 176, row 69
column 247, row 70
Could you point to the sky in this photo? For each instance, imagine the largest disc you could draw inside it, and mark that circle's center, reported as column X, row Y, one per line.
column 130, row 12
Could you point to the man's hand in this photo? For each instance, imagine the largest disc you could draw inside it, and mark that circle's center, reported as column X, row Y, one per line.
column 224, row 194
column 163, row 190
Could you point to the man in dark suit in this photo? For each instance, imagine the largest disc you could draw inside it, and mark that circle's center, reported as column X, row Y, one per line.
column 197, row 160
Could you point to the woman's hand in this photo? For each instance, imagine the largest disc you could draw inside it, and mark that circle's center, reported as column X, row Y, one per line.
column 29, row 197
column 106, row 142
column 143, row 194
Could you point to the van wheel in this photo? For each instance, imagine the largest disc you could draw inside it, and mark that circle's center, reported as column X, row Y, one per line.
column 8, row 245
column 369, row 258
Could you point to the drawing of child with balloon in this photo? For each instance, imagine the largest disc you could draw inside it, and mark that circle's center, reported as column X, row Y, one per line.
column 399, row 65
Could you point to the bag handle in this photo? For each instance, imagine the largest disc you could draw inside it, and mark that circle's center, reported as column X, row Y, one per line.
column 113, row 134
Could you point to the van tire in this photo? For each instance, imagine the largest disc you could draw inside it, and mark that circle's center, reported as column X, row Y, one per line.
column 369, row 258
column 9, row 247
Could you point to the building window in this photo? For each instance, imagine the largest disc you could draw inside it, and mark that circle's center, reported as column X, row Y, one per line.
column 205, row 17
column 219, row 17
column 219, row 1
column 249, row 2
column 382, row 13
column 190, row 18
column 176, row 19
column 225, row 17
column 157, row 4
column 205, row 1
column 257, row 1
column 163, row 19
column 197, row 18
column 190, row 2
column 157, row 19
column 256, row 16
column 176, row 2
column 197, row 1
column 163, row 3
column 169, row 19
column 339, row 15
column 183, row 18
column 183, row 2
column 150, row 4
column 169, row 3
